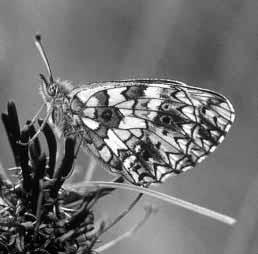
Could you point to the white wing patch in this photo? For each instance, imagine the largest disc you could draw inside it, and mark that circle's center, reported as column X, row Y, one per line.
column 114, row 143
column 150, row 92
column 115, row 95
column 83, row 95
column 89, row 112
column 105, row 154
column 122, row 134
column 92, row 102
column 136, row 132
column 154, row 104
column 125, row 104
column 93, row 125
column 132, row 122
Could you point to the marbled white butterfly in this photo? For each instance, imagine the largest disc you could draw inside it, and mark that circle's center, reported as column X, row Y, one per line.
column 144, row 130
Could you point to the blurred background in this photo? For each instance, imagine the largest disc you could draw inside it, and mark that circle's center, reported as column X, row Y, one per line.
column 209, row 43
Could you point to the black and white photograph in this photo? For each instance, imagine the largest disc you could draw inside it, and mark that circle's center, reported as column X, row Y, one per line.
column 129, row 127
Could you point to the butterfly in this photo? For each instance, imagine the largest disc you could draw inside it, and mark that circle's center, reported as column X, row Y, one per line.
column 145, row 130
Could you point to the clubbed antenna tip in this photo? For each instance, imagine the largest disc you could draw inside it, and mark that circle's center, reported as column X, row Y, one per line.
column 38, row 37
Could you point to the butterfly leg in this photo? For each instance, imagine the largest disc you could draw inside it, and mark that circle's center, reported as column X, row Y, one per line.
column 79, row 146
column 37, row 114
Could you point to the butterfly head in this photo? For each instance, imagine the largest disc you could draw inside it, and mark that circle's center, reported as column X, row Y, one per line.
column 49, row 89
column 54, row 89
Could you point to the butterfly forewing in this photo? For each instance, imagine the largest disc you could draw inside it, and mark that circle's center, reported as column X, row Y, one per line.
column 147, row 130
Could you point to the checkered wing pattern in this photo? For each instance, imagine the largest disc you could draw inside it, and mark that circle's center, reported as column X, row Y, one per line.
column 147, row 130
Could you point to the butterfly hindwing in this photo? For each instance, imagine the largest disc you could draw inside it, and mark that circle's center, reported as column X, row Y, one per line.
column 150, row 129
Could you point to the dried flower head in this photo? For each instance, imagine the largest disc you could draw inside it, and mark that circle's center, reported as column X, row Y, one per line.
column 37, row 214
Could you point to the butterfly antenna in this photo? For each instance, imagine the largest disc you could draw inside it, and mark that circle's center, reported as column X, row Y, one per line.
column 43, row 56
column 51, row 81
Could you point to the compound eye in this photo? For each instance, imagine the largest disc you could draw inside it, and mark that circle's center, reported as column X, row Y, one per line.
column 52, row 90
